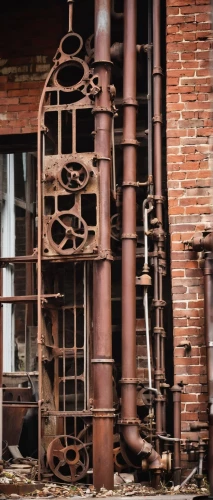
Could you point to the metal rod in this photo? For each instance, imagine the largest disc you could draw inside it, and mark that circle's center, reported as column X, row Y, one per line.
column 176, row 390
column 129, row 382
column 102, row 327
column 192, row 473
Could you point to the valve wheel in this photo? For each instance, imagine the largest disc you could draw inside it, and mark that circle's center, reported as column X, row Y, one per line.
column 67, row 458
column 73, row 176
column 67, row 232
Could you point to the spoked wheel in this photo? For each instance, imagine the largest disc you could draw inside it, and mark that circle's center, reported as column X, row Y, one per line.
column 67, row 232
column 67, row 458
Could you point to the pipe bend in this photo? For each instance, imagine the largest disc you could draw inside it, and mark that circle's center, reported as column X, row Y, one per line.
column 141, row 446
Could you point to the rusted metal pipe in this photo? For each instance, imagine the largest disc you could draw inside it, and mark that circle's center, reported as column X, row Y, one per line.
column 176, row 391
column 129, row 420
column 116, row 15
column 208, row 314
column 1, row 365
column 199, row 243
column 159, row 373
column 102, row 330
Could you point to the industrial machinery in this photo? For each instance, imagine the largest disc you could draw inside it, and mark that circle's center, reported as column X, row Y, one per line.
column 101, row 251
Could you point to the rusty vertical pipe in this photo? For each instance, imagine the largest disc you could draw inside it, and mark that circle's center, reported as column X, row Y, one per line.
column 159, row 374
column 176, row 391
column 208, row 314
column 102, row 328
column 129, row 420
column 1, row 365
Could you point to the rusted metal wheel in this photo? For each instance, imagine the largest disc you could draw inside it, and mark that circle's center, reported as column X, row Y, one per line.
column 67, row 458
column 115, row 227
column 67, row 232
column 73, row 176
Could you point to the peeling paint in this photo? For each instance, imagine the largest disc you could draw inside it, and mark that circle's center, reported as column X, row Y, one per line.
column 103, row 24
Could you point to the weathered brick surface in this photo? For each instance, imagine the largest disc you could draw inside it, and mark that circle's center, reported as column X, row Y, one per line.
column 189, row 126
column 30, row 33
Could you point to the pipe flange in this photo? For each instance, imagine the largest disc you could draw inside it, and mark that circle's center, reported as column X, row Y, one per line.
column 103, row 412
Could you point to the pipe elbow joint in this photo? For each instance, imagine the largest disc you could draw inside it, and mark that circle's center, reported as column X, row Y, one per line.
column 140, row 446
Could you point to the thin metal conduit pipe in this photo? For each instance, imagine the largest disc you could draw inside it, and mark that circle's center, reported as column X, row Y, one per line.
column 103, row 413
column 208, row 314
column 159, row 243
column 146, row 306
column 149, row 96
column 129, row 419
column 116, row 15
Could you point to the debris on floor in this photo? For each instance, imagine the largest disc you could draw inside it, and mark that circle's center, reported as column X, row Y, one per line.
column 18, row 481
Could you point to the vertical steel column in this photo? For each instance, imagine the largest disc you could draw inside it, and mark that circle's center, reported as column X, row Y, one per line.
column 102, row 328
column 129, row 419
column 208, row 314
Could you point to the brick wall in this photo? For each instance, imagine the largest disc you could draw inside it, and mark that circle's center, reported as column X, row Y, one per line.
column 26, row 58
column 189, row 126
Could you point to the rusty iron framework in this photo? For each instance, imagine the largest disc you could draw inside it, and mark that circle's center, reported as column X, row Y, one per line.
column 101, row 258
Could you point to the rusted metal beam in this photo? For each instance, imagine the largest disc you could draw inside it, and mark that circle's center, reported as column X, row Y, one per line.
column 102, row 328
column 28, row 298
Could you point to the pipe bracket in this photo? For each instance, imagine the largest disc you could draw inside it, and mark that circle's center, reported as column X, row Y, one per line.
column 103, row 412
column 158, row 329
column 129, row 183
column 130, row 102
column 105, row 255
column 157, row 119
column 101, row 109
column 99, row 61
column 159, row 303
column 129, row 236
column 128, row 381
column 102, row 360
column 129, row 421
column 130, row 142
column 157, row 70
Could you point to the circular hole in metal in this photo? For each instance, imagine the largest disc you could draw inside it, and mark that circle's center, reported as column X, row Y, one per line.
column 71, row 455
column 70, row 74
column 71, row 44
